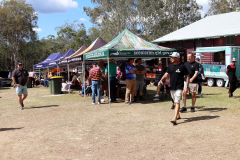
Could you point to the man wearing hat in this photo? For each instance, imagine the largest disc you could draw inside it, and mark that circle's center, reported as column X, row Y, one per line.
column 177, row 71
column 103, row 81
column 20, row 79
column 233, row 81
column 112, row 77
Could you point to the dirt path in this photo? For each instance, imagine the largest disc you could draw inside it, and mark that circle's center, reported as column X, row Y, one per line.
column 69, row 127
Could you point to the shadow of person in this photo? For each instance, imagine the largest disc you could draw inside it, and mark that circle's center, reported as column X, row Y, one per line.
column 213, row 109
column 201, row 118
column 42, row 106
column 8, row 129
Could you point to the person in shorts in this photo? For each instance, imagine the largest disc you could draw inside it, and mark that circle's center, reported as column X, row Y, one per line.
column 201, row 76
column 20, row 79
column 193, row 69
column 177, row 72
column 103, row 81
column 139, row 79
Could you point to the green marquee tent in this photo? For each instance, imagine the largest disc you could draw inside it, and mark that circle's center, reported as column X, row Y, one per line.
column 127, row 45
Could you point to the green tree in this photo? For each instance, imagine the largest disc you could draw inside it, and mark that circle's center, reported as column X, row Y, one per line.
column 222, row 6
column 17, row 20
column 142, row 17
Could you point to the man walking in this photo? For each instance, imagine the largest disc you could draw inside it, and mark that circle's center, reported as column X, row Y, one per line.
column 20, row 79
column 193, row 69
column 200, row 77
column 233, row 81
column 139, row 79
column 112, row 77
column 94, row 76
column 131, row 72
column 177, row 72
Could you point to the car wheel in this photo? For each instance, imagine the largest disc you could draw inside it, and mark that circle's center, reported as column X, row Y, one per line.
column 220, row 82
column 210, row 82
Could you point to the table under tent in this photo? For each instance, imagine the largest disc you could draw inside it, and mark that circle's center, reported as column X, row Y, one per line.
column 45, row 63
column 126, row 45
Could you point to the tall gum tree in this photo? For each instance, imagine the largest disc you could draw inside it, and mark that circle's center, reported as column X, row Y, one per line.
column 17, row 20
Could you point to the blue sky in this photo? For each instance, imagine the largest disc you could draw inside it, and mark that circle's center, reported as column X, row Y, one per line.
column 54, row 13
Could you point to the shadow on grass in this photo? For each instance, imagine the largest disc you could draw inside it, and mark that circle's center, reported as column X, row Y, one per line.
column 4, row 88
column 201, row 108
column 8, row 129
column 42, row 107
column 201, row 118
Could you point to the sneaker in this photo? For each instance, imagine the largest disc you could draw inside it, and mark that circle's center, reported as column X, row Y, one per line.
column 102, row 100
column 173, row 106
column 93, row 103
column 156, row 99
column 183, row 109
column 128, row 103
column 98, row 103
column 156, row 96
column 192, row 109
column 133, row 102
column 21, row 108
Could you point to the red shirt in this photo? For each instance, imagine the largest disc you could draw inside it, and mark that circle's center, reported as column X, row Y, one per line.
column 95, row 74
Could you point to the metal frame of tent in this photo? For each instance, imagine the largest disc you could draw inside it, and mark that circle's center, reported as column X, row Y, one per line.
column 142, row 50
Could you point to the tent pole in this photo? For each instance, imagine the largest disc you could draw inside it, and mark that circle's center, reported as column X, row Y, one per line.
column 68, row 78
column 166, row 62
column 109, row 92
column 84, row 78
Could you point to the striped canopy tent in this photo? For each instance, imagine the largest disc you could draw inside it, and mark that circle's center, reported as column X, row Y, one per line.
column 64, row 61
column 127, row 45
column 78, row 56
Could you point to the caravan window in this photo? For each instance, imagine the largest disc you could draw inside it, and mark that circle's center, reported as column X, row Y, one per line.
column 219, row 57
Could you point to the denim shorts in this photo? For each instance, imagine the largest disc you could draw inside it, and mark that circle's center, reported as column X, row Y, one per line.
column 21, row 90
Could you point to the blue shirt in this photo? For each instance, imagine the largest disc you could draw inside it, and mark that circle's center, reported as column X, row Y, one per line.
column 129, row 75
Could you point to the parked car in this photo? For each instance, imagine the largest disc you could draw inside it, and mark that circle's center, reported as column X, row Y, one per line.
column 5, row 81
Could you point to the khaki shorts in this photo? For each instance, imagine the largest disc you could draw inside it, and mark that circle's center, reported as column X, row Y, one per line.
column 191, row 86
column 176, row 95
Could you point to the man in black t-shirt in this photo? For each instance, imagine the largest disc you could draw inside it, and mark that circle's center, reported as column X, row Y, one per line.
column 233, row 81
column 193, row 69
column 20, row 79
column 177, row 72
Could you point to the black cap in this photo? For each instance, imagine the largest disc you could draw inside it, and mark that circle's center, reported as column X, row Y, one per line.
column 19, row 63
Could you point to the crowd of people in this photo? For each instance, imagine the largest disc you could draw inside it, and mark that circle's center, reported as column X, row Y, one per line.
column 178, row 79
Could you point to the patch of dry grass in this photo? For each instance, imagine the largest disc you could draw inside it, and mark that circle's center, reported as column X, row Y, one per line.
column 70, row 127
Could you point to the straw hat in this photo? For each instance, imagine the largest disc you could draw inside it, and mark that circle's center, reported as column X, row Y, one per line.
column 234, row 60
column 111, row 60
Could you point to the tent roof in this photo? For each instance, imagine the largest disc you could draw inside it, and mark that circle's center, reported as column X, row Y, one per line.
column 84, row 47
column 213, row 26
column 99, row 42
column 50, row 58
column 127, row 44
column 69, row 53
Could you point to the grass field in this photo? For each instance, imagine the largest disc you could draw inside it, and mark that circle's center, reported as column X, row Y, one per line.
column 70, row 127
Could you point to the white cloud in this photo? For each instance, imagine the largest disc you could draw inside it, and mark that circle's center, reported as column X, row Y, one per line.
column 37, row 29
column 53, row 6
column 205, row 5
column 82, row 19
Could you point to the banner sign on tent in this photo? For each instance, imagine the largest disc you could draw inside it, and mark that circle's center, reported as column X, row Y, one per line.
column 139, row 54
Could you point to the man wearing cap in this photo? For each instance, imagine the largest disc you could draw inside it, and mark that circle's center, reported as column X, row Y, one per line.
column 112, row 77
column 94, row 75
column 103, row 81
column 201, row 76
column 177, row 71
column 193, row 69
column 233, row 81
column 20, row 79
